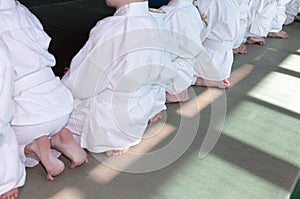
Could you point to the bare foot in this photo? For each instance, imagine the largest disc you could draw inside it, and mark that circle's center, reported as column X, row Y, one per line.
column 209, row 83
column 12, row 194
column 284, row 34
column 240, row 50
column 67, row 145
column 243, row 49
column 281, row 34
column 256, row 40
column 181, row 97
column 226, row 83
column 297, row 18
column 41, row 149
column 156, row 117
column 236, row 51
column 116, row 152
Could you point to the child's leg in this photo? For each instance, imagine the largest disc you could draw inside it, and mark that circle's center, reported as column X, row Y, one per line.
column 34, row 141
column 64, row 142
column 41, row 148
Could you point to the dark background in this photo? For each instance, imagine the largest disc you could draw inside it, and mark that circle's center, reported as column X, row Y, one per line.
column 68, row 23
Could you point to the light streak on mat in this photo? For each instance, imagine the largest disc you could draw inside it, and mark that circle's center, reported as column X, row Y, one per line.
column 68, row 193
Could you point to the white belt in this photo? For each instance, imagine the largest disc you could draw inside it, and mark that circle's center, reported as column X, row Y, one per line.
column 33, row 79
column 221, row 46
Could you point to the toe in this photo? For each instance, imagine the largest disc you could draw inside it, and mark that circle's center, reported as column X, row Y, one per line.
column 50, row 177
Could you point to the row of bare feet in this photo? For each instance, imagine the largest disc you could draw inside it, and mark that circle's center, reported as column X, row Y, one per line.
column 260, row 40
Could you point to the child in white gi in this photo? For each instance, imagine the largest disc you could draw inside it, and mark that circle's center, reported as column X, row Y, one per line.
column 239, row 47
column 218, row 38
column 186, row 22
column 12, row 171
column 42, row 104
column 118, row 79
column 261, row 15
column 278, row 20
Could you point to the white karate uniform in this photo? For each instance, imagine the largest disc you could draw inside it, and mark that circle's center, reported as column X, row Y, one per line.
column 179, row 19
column 280, row 15
column 12, row 171
column 244, row 9
column 118, row 79
column 261, row 16
column 39, row 96
column 219, row 36
column 183, row 19
column 184, row 79
column 292, row 9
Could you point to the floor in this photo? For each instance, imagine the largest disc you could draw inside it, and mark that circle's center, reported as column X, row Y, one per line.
column 242, row 143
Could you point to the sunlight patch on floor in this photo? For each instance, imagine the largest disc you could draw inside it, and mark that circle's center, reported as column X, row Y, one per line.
column 279, row 89
column 266, row 129
column 292, row 62
column 68, row 193
column 260, row 56
column 214, row 178
column 200, row 102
